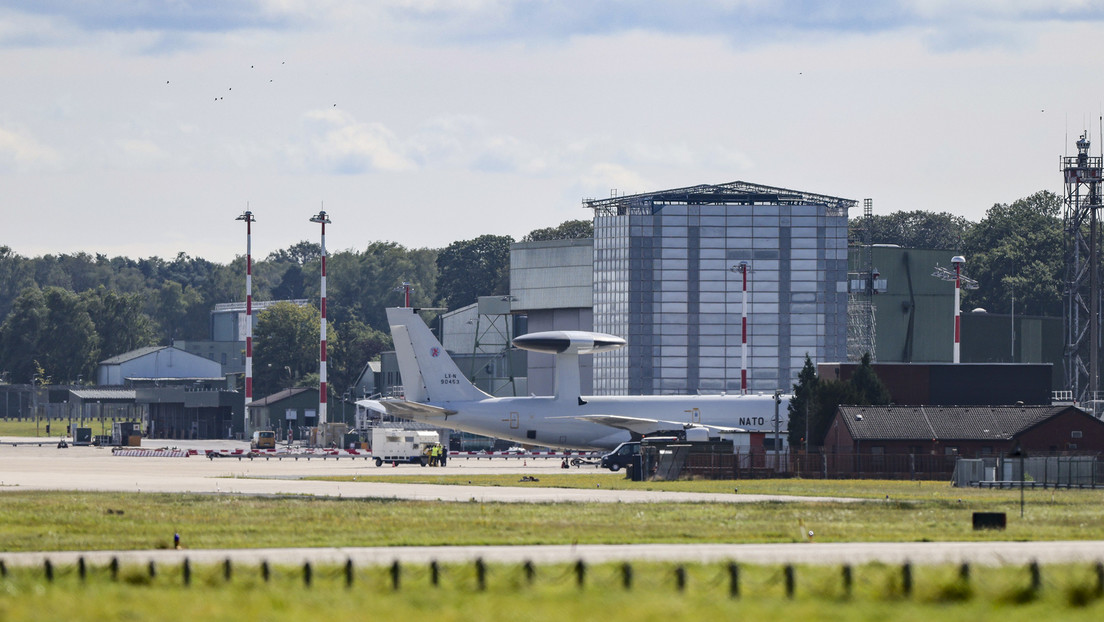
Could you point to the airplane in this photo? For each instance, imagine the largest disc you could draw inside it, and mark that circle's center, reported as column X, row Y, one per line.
column 438, row 393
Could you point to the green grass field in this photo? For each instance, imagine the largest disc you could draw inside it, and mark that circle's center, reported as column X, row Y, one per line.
column 55, row 521
column 32, row 428
column 96, row 521
column 654, row 592
column 900, row 490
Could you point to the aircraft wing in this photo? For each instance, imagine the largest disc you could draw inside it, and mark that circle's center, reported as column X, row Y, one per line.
column 405, row 409
column 643, row 427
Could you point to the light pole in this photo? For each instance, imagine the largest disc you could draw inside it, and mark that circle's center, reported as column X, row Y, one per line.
column 777, row 421
column 1023, row 475
column 344, row 405
column 322, row 219
column 247, row 216
column 34, row 400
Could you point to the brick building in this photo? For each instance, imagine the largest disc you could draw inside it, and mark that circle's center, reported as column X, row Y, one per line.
column 966, row 431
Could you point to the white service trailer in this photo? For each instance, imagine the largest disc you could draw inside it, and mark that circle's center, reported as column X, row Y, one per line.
column 398, row 445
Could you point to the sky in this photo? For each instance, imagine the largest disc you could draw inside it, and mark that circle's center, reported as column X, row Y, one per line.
column 144, row 128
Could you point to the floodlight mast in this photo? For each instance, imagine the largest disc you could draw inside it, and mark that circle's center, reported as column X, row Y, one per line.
column 247, row 216
column 960, row 281
column 958, row 260
column 405, row 287
column 322, row 219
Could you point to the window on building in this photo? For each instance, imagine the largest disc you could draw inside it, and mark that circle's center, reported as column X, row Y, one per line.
column 877, row 450
column 1075, row 434
column 950, row 451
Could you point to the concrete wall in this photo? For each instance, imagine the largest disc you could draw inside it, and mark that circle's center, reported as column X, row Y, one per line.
column 554, row 274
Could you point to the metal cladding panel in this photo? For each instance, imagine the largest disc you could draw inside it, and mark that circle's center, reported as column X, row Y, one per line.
column 552, row 274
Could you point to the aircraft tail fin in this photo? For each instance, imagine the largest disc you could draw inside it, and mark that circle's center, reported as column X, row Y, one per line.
column 428, row 372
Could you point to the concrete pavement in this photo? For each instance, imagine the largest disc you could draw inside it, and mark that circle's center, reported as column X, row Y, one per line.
column 31, row 467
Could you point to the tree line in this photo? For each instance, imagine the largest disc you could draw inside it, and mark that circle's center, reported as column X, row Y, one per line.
column 62, row 314
column 1016, row 251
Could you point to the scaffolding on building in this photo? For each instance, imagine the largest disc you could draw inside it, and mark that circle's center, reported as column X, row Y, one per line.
column 1082, row 175
column 492, row 348
column 862, row 285
column 861, row 328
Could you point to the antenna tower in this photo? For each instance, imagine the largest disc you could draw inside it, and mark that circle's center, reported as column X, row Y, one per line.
column 1082, row 175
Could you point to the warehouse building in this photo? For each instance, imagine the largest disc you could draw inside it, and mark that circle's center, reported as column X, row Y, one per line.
column 902, row 313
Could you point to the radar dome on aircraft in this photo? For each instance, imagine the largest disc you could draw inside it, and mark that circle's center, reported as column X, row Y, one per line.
column 568, row 342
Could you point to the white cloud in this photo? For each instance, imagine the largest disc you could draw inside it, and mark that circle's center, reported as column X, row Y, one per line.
column 605, row 178
column 344, row 145
column 20, row 152
column 140, row 153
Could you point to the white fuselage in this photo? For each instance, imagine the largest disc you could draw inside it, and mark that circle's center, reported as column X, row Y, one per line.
column 438, row 393
column 552, row 422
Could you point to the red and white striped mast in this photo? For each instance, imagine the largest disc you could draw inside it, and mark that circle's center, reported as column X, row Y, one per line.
column 743, row 268
column 247, row 216
column 960, row 281
column 405, row 288
column 957, row 260
column 322, row 219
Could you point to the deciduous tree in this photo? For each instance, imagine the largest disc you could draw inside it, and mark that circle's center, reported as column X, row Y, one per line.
column 471, row 268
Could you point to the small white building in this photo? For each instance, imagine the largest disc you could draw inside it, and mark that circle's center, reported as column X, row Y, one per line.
column 155, row 362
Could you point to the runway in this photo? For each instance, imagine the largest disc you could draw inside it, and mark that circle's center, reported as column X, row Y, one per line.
column 31, row 467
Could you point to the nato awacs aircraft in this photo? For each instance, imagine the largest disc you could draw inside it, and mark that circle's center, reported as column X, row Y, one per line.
column 436, row 392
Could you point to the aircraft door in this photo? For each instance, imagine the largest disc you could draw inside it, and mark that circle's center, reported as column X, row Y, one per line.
column 514, row 420
column 694, row 415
